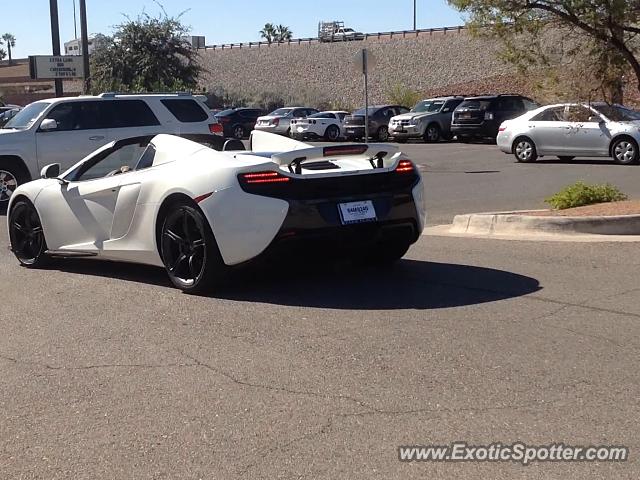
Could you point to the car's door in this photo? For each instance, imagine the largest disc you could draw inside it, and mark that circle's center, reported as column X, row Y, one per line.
column 80, row 215
column 507, row 108
column 586, row 134
column 548, row 130
column 81, row 129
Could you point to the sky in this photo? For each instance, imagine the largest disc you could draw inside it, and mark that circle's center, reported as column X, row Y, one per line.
column 220, row 21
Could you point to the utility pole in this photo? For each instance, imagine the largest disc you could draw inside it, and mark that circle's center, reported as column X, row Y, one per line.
column 75, row 21
column 85, row 46
column 415, row 23
column 55, row 39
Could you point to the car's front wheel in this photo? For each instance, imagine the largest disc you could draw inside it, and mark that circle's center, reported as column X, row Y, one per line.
column 10, row 178
column 432, row 134
column 189, row 250
column 27, row 235
column 525, row 150
column 383, row 134
column 332, row 133
column 625, row 151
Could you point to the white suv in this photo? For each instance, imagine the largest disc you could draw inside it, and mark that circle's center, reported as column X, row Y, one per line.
column 65, row 130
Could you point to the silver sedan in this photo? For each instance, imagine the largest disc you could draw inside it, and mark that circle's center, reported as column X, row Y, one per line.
column 570, row 130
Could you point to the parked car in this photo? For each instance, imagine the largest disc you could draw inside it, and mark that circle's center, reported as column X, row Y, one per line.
column 64, row 130
column 570, row 130
column 379, row 117
column 279, row 121
column 326, row 125
column 480, row 117
column 198, row 211
column 239, row 122
column 8, row 114
column 429, row 119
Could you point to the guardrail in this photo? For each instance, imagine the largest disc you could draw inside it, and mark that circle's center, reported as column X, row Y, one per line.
column 367, row 36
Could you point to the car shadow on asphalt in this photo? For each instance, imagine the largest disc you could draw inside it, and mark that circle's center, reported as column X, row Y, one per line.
column 580, row 161
column 409, row 284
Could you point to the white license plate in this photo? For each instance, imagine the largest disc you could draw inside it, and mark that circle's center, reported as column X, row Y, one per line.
column 357, row 212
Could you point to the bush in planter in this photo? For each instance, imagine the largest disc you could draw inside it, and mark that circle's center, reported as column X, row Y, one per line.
column 580, row 194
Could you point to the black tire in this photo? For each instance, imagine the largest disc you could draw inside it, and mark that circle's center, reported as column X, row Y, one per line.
column 525, row 150
column 12, row 175
column 332, row 133
column 432, row 133
column 382, row 134
column 189, row 250
column 565, row 158
column 26, row 234
column 238, row 132
column 625, row 151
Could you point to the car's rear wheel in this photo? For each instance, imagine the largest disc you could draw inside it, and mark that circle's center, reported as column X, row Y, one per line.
column 625, row 151
column 525, row 150
column 189, row 250
column 238, row 132
column 565, row 158
column 332, row 133
column 432, row 134
column 383, row 134
column 27, row 235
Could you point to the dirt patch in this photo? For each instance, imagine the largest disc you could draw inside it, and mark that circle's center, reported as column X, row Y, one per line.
column 629, row 207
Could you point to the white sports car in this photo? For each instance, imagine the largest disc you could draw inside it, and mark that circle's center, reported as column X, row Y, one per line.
column 198, row 207
column 327, row 125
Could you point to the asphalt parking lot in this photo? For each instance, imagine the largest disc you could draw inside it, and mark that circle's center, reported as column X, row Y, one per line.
column 322, row 371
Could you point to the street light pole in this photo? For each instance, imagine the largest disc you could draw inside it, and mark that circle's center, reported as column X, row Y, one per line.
column 415, row 23
column 55, row 40
column 85, row 46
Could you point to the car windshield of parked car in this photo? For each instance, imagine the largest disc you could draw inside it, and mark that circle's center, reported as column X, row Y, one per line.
column 225, row 113
column 372, row 110
column 618, row 113
column 280, row 112
column 27, row 116
column 475, row 104
column 323, row 115
column 428, row 106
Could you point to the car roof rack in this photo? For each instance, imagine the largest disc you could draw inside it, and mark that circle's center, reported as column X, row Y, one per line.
column 113, row 94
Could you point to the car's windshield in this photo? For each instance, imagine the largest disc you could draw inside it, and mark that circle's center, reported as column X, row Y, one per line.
column 224, row 113
column 618, row 113
column 27, row 116
column 322, row 115
column 372, row 110
column 280, row 111
column 428, row 106
column 348, row 30
column 475, row 104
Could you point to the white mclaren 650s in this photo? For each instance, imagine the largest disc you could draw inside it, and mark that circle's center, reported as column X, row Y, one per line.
column 199, row 206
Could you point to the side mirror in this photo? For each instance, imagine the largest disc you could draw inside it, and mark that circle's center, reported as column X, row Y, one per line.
column 51, row 171
column 48, row 124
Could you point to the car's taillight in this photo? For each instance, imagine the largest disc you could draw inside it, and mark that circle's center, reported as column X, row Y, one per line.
column 405, row 166
column 216, row 128
column 264, row 177
column 344, row 150
column 275, row 121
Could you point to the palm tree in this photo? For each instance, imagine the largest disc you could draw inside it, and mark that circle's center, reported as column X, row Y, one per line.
column 11, row 42
column 283, row 34
column 268, row 32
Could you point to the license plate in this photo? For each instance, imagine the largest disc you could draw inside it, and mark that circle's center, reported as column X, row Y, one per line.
column 357, row 212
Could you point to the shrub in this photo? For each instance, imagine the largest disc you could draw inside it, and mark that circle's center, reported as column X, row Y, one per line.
column 580, row 194
column 401, row 95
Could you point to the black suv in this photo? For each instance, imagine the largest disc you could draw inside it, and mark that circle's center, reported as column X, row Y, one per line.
column 379, row 117
column 480, row 117
column 239, row 122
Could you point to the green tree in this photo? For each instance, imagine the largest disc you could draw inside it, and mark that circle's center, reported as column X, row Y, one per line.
column 283, row 34
column 600, row 34
column 10, row 40
column 269, row 33
column 144, row 55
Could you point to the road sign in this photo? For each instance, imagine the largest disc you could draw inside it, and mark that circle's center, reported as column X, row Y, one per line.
column 363, row 62
column 47, row 67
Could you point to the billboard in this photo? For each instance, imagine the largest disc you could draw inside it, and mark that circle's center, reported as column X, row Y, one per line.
column 47, row 67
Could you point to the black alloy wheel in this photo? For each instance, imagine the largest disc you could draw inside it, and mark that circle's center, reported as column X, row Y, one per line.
column 27, row 235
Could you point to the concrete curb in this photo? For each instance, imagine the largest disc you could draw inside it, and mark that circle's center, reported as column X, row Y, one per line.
column 515, row 223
